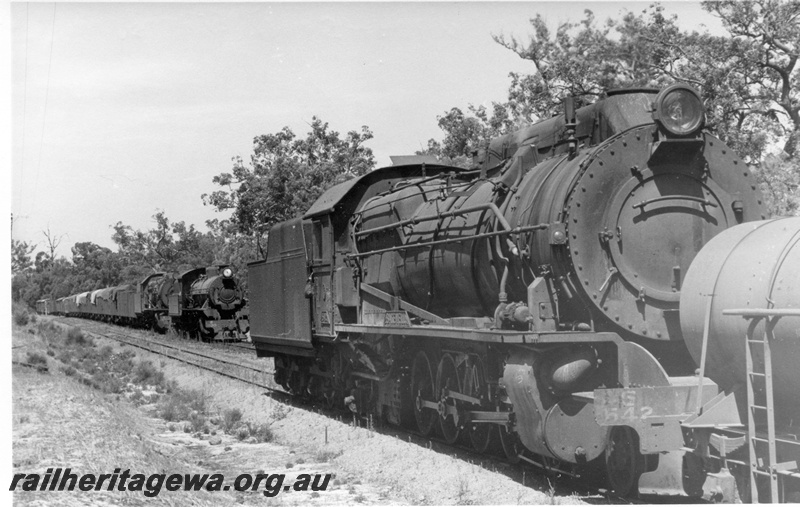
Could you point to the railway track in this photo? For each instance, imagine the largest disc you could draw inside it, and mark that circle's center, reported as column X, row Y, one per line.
column 247, row 347
column 262, row 378
column 259, row 377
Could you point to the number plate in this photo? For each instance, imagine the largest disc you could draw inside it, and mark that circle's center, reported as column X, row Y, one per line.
column 616, row 407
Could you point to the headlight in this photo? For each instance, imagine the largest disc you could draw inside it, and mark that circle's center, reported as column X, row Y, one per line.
column 679, row 110
column 227, row 272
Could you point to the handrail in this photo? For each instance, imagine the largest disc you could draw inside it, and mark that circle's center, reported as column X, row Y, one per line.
column 704, row 202
column 516, row 230
column 750, row 313
column 772, row 469
column 447, row 214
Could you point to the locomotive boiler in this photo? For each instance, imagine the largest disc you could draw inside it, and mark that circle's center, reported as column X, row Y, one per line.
column 533, row 299
column 607, row 206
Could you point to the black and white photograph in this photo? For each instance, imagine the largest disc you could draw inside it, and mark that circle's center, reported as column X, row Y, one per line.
column 402, row 253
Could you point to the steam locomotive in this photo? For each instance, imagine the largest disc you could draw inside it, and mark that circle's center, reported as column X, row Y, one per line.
column 558, row 298
column 203, row 303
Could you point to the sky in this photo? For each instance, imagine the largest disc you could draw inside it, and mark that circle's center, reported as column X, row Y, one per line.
column 119, row 110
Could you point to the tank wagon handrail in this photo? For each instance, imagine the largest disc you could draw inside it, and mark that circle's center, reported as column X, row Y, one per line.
column 758, row 313
column 779, row 264
column 773, row 468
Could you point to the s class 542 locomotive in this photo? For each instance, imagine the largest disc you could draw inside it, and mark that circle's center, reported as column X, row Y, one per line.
column 539, row 299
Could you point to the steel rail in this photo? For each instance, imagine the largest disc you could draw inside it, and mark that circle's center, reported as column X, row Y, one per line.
column 243, row 346
column 174, row 352
column 148, row 345
column 408, row 434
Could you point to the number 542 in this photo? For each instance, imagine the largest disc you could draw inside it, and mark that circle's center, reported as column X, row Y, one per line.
column 626, row 414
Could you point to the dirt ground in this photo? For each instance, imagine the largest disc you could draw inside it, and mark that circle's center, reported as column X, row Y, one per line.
column 60, row 422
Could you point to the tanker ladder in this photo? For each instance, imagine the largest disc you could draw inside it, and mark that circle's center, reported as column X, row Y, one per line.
column 762, row 402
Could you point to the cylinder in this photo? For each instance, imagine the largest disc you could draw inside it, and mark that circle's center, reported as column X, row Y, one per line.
column 751, row 266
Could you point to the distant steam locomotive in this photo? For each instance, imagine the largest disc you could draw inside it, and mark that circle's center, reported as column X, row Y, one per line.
column 557, row 297
column 203, row 303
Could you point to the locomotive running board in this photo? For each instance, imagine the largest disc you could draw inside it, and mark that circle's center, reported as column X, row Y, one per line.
column 483, row 335
column 395, row 303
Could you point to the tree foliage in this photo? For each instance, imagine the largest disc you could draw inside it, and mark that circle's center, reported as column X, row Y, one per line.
column 766, row 34
column 467, row 134
column 176, row 247
column 21, row 260
column 779, row 176
column 91, row 267
column 748, row 79
column 95, row 266
column 167, row 246
column 286, row 174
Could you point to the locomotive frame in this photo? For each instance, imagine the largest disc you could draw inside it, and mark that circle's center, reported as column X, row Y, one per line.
column 325, row 351
column 508, row 302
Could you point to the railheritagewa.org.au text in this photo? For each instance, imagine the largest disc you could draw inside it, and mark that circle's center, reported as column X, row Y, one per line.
column 61, row 479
